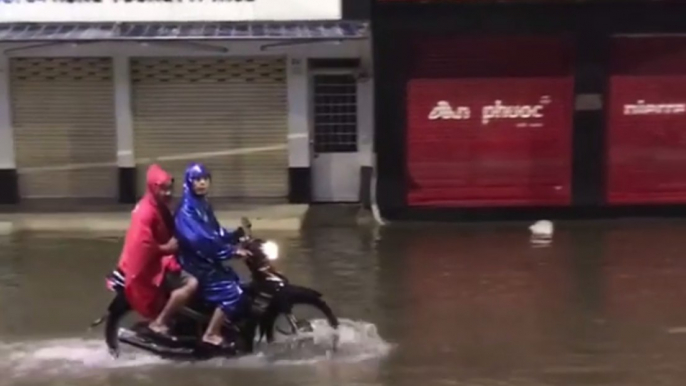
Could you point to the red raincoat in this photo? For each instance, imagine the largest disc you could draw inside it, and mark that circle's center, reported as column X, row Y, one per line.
column 144, row 258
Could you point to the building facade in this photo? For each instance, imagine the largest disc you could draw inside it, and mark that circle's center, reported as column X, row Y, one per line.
column 518, row 109
column 274, row 96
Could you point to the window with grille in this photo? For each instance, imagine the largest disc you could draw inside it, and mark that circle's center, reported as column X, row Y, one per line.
column 335, row 113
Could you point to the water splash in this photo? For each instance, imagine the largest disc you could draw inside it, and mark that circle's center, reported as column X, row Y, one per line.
column 356, row 341
column 75, row 357
column 64, row 357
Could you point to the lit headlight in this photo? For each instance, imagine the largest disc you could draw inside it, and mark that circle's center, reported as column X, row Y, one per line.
column 271, row 250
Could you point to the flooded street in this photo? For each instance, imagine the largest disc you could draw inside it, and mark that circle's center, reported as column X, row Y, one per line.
column 421, row 305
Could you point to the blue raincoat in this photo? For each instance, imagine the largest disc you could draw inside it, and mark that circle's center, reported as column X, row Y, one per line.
column 204, row 245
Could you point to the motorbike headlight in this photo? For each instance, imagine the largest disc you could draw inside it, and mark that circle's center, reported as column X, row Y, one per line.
column 271, row 250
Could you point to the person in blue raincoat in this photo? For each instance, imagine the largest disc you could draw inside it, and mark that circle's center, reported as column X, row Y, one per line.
column 203, row 246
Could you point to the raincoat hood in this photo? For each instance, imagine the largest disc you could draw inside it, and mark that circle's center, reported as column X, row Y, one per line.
column 155, row 178
column 193, row 172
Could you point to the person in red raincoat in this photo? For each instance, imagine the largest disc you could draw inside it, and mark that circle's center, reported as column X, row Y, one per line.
column 154, row 283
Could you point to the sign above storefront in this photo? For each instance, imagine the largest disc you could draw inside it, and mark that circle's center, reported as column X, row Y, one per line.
column 93, row 11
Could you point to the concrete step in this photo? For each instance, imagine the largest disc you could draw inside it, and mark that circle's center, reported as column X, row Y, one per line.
column 335, row 215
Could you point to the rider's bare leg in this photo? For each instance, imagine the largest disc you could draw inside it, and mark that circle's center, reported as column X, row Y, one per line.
column 213, row 334
column 177, row 299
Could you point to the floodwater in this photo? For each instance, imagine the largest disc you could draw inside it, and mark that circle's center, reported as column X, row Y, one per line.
column 421, row 305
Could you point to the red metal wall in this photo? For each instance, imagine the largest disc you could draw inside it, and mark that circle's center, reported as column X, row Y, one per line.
column 542, row 2
column 489, row 122
column 646, row 146
column 478, row 1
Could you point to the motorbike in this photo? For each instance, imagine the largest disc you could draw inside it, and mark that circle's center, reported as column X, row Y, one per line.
column 266, row 298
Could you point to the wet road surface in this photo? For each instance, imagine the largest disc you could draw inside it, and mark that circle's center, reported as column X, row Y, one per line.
column 422, row 305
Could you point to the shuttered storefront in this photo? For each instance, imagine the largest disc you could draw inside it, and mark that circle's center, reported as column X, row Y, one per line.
column 646, row 126
column 65, row 136
column 489, row 122
column 230, row 114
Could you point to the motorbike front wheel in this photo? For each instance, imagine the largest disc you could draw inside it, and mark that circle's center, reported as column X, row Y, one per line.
column 295, row 325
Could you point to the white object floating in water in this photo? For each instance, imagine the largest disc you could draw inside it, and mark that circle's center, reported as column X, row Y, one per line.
column 542, row 232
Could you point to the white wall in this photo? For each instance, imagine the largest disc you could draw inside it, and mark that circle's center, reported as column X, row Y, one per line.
column 299, row 98
column 299, row 124
column 123, row 112
column 179, row 11
column 7, row 158
column 365, row 121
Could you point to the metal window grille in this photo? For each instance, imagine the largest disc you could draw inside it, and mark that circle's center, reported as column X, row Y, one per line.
column 335, row 113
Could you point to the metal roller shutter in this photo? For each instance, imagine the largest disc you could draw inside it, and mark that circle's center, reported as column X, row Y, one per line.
column 646, row 121
column 489, row 122
column 65, row 135
column 230, row 114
